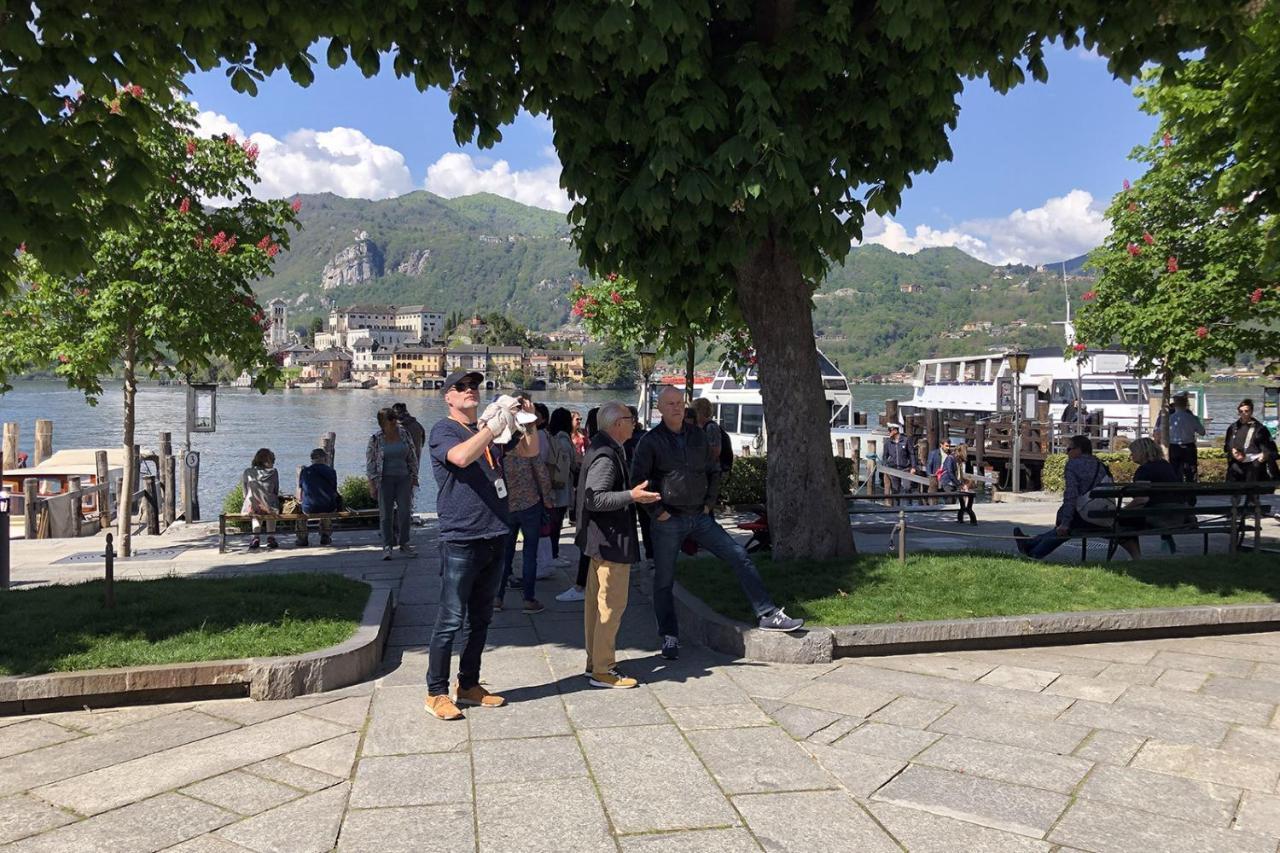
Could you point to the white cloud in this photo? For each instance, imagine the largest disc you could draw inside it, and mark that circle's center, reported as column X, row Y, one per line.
column 457, row 174
column 342, row 161
column 1062, row 227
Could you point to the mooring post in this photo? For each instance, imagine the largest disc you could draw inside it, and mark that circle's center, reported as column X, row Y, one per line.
column 855, row 452
column 152, row 502
column 329, row 442
column 109, row 590
column 29, row 507
column 77, row 503
column 104, row 489
column 167, row 495
column 10, row 447
column 43, row 448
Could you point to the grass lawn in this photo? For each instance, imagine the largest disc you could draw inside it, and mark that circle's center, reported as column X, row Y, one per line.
column 173, row 620
column 877, row 588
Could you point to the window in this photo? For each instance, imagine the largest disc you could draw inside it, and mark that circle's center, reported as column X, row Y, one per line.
column 729, row 416
column 752, row 419
column 1100, row 394
column 1133, row 392
column 1064, row 391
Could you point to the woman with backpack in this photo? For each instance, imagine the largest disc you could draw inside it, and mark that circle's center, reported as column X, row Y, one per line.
column 1084, row 472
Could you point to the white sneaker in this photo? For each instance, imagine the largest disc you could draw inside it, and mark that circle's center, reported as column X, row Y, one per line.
column 572, row 594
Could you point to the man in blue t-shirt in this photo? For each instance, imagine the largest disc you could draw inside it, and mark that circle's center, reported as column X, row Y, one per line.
column 466, row 458
column 318, row 493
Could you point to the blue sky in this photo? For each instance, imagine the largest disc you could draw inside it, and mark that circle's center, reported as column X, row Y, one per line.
column 1031, row 174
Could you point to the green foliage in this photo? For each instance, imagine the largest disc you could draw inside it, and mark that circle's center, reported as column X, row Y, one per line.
column 502, row 331
column 355, row 493
column 1212, row 468
column 233, row 503
column 876, row 588
column 746, row 482
column 613, row 367
column 64, row 627
column 1181, row 282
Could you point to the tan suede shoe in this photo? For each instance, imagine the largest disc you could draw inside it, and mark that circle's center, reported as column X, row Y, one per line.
column 442, row 708
column 478, row 696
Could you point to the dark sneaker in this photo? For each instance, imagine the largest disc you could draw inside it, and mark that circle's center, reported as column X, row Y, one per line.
column 1022, row 540
column 780, row 621
column 671, row 647
column 326, row 540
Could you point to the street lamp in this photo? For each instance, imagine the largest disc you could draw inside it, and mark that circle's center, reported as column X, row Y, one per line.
column 4, row 539
column 1017, row 361
column 648, row 359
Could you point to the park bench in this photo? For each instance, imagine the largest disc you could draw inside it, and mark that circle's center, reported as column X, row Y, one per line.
column 1230, row 509
column 337, row 520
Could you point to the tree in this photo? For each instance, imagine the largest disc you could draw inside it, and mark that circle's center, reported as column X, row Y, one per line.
column 714, row 150
column 317, row 326
column 1181, row 283
column 170, row 294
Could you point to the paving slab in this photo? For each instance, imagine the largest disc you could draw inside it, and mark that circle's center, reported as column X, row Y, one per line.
column 713, row 688
column 1221, row 708
column 1011, row 729
column 1084, row 687
column 949, row 690
column 842, row 699
column 911, row 712
column 399, row 725
column 941, row 665
column 206, row 844
column 821, row 822
column 743, row 715
column 801, row 721
column 835, row 731
column 859, row 773
column 1209, row 765
column 1257, row 742
column 242, row 793
column 412, row 780
column 307, row 825
column 541, row 818
column 1186, row 661
column 598, row 708
column 1181, row 679
column 32, row 734
column 1258, row 814
column 1187, row 799
column 293, row 775
column 1147, row 722
column 528, row 759
column 1035, row 768
column 335, row 757
column 152, row 824
column 408, row 829
column 351, row 711
column 758, row 760
column 1108, row 747
column 652, row 781
column 1019, row 678
column 94, row 721
column 999, row 805
column 888, row 741
column 701, row 841
column 132, row 781
column 540, row 715
column 21, row 816
column 1104, row 828
column 248, row 712
column 925, row 832
column 1255, row 689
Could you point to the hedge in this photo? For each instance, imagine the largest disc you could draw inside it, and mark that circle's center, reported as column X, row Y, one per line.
column 1213, row 467
column 354, row 491
column 745, row 483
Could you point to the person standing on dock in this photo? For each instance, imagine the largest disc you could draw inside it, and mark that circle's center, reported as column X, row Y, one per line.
column 1183, row 429
column 391, row 464
column 466, row 458
column 1248, row 446
column 899, row 454
column 673, row 458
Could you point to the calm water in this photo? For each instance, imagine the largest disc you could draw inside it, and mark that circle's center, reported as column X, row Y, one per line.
column 292, row 422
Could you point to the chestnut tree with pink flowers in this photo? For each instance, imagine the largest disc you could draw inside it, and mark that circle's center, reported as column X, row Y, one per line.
column 1181, row 279
column 165, row 295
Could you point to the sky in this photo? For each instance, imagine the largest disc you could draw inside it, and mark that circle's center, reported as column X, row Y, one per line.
column 1031, row 175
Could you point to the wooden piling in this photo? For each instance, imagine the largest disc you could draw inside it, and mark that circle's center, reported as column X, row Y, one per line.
column 44, row 441
column 10, row 446
column 979, row 444
column 29, row 507
column 77, row 503
column 840, row 447
column 104, row 489
column 329, row 442
column 151, row 504
column 167, row 495
column 890, row 412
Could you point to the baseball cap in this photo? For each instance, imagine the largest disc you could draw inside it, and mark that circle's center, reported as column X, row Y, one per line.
column 458, row 376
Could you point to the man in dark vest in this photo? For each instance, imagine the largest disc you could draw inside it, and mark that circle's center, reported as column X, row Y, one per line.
column 607, row 534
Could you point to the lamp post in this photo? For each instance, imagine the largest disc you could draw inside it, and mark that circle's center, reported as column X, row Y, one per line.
column 4, row 539
column 1017, row 361
column 648, row 359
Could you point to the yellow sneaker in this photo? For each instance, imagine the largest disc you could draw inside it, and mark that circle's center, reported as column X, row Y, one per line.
column 442, row 708
column 612, row 679
column 478, row 696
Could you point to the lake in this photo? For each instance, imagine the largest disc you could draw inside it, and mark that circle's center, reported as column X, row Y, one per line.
column 292, row 422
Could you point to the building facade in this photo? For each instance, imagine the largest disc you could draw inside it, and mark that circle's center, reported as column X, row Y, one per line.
column 418, row 366
column 326, row 368
column 420, row 323
column 277, row 334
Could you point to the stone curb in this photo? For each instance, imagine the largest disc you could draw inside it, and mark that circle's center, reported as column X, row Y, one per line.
column 260, row 678
column 701, row 624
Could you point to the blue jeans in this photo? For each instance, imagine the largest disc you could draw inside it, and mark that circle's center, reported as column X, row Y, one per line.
column 470, row 572
column 527, row 522
column 703, row 529
column 395, row 509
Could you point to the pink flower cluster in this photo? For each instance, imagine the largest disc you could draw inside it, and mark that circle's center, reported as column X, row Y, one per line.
column 615, row 297
column 297, row 205
column 1202, row 332
column 1147, row 238
column 1256, row 296
column 132, row 89
column 1133, row 250
column 584, row 307
column 222, row 243
column 191, row 147
column 185, row 205
column 1172, row 264
column 266, row 245
column 1166, row 141
column 1079, row 347
column 250, row 150
column 612, row 277
column 1089, row 295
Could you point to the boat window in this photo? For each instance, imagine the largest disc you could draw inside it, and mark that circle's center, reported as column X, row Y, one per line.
column 827, row 368
column 921, row 374
column 1133, row 392
column 971, row 371
column 729, row 416
column 752, row 384
column 1064, row 391
column 729, row 383
column 948, row 371
column 1100, row 393
column 718, row 384
column 831, row 383
column 752, row 419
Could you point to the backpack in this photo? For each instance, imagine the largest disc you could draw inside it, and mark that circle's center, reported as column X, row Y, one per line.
column 726, row 452
column 558, row 463
column 1089, row 507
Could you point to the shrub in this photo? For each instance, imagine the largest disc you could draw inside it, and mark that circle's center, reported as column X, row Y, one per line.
column 355, row 493
column 234, row 501
column 746, row 482
column 1213, row 467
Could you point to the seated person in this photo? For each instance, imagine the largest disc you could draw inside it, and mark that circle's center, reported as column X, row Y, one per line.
column 318, row 493
column 1083, row 472
column 1153, row 468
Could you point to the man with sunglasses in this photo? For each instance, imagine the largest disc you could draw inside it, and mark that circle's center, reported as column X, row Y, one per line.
column 1248, row 446
column 466, row 458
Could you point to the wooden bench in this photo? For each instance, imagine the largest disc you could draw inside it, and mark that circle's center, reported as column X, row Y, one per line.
column 1234, row 510
column 300, row 519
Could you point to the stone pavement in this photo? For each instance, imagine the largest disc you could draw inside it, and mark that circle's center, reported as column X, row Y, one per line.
column 1168, row 745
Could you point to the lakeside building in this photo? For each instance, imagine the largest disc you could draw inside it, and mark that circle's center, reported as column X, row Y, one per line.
column 325, row 369
column 416, row 366
column 276, row 337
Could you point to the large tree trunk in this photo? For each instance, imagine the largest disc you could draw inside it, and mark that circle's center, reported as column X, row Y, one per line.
column 124, row 510
column 807, row 514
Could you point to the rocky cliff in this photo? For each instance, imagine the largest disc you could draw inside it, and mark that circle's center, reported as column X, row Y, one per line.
column 360, row 262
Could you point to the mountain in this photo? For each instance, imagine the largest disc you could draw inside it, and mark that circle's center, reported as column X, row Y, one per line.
column 476, row 253
column 877, row 312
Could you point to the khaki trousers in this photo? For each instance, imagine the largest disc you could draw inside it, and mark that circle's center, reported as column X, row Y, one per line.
column 607, row 585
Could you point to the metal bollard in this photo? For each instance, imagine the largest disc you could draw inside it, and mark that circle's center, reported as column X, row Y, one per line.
column 109, row 595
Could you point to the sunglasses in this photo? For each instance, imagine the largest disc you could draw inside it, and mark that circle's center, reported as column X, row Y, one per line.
column 466, row 386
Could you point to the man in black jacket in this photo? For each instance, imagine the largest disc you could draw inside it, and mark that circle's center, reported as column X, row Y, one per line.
column 673, row 458
column 607, row 534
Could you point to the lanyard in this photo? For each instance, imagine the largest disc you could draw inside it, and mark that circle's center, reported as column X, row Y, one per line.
column 487, row 455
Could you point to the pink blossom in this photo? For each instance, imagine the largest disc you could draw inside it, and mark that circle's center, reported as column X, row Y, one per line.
column 1256, row 296
column 273, row 250
column 613, row 276
column 115, row 107
column 616, row 297
column 134, row 89
column 1202, row 332
column 230, row 140
column 82, row 291
column 191, row 147
column 1079, row 347
column 63, row 359
column 185, row 206
column 1172, row 264
column 1089, row 295
column 1133, row 249
column 264, row 242
column 297, row 205
column 1126, row 183
column 1166, row 140
column 1147, row 238
column 251, row 151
